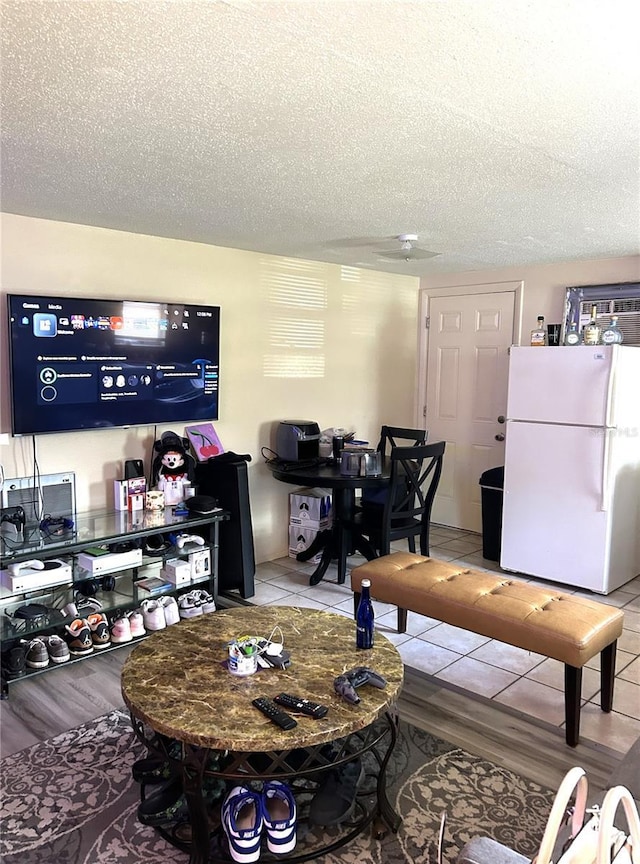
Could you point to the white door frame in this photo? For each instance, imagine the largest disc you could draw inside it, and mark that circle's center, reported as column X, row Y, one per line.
column 515, row 287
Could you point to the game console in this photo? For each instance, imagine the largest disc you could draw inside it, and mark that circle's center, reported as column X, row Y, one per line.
column 12, row 523
column 98, row 565
column 32, row 564
column 32, row 575
column 183, row 539
column 346, row 684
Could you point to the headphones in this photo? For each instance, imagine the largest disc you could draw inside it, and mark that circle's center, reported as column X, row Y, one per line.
column 124, row 546
column 55, row 526
column 156, row 544
column 90, row 587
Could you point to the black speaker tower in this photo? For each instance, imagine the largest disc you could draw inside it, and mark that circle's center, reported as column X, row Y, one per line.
column 225, row 477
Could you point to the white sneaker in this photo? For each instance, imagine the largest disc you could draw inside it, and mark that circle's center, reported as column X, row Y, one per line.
column 171, row 611
column 189, row 606
column 205, row 600
column 120, row 631
column 136, row 622
column 242, row 821
column 153, row 615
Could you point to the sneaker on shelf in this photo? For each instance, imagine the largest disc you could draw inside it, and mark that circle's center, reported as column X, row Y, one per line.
column 151, row 769
column 279, row 814
column 99, row 627
column 153, row 615
column 85, row 605
column 14, row 661
column 69, row 611
column 189, row 606
column 78, row 637
column 166, row 804
column 121, row 631
column 58, row 649
column 170, row 608
column 242, row 823
column 136, row 622
column 37, row 656
column 335, row 800
column 205, row 600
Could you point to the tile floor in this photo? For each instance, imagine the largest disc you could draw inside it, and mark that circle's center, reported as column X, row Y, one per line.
column 521, row 680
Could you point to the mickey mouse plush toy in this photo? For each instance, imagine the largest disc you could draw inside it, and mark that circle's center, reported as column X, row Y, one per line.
column 173, row 466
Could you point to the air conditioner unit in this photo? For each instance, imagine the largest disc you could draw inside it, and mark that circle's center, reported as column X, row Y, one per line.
column 621, row 299
column 627, row 309
column 40, row 495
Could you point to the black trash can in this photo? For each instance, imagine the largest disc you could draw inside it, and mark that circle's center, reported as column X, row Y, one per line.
column 492, row 485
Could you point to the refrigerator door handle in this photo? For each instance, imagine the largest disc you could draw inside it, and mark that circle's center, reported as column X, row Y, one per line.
column 606, row 460
column 608, row 414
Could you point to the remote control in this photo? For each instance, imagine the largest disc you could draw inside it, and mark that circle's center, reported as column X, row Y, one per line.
column 271, row 710
column 304, row 706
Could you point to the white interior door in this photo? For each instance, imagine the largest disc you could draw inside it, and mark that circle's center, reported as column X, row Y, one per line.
column 466, row 392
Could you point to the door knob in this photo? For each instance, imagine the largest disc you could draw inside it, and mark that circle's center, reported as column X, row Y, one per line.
column 501, row 418
column 499, row 437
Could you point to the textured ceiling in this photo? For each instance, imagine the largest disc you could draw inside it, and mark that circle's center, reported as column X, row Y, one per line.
column 500, row 131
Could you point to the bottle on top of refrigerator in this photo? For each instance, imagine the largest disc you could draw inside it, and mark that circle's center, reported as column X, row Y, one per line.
column 572, row 336
column 539, row 333
column 612, row 334
column 364, row 617
column 591, row 332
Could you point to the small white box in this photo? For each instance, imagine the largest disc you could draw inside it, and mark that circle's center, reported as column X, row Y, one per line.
column 177, row 571
column 310, row 507
column 200, row 563
column 300, row 538
column 136, row 501
column 124, row 489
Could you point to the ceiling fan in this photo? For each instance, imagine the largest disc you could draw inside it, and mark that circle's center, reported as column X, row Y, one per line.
column 407, row 250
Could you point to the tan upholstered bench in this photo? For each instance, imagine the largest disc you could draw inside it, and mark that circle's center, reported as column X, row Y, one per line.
column 566, row 628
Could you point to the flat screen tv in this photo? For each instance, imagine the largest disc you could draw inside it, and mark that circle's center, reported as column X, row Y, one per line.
column 77, row 363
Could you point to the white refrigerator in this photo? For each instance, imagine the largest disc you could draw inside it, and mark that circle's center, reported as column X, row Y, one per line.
column 571, row 510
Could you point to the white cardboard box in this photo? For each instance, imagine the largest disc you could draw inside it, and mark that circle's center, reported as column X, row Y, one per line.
column 177, row 571
column 200, row 563
column 310, row 508
column 124, row 489
column 300, row 538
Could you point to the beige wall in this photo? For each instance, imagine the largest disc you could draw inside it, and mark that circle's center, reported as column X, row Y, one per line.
column 360, row 345
column 543, row 285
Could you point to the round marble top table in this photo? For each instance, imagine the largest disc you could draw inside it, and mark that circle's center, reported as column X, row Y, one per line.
column 176, row 681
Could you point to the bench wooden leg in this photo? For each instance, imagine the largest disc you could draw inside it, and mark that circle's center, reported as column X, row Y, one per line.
column 572, row 691
column 607, row 676
column 402, row 613
column 402, row 620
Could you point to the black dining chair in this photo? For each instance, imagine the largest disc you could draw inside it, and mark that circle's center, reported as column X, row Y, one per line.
column 399, row 436
column 406, row 513
column 390, row 437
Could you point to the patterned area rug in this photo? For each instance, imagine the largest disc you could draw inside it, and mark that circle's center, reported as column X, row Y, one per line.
column 71, row 800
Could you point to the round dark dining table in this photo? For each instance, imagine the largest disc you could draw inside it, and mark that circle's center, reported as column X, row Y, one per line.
column 343, row 537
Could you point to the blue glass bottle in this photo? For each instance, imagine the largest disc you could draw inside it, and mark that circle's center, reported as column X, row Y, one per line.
column 364, row 617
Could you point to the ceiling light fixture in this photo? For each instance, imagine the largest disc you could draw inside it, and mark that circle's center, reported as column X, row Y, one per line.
column 407, row 241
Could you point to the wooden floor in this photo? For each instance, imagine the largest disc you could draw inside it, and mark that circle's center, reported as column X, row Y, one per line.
column 66, row 697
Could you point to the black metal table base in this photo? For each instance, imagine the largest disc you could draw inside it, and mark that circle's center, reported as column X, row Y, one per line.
column 303, row 769
column 338, row 542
